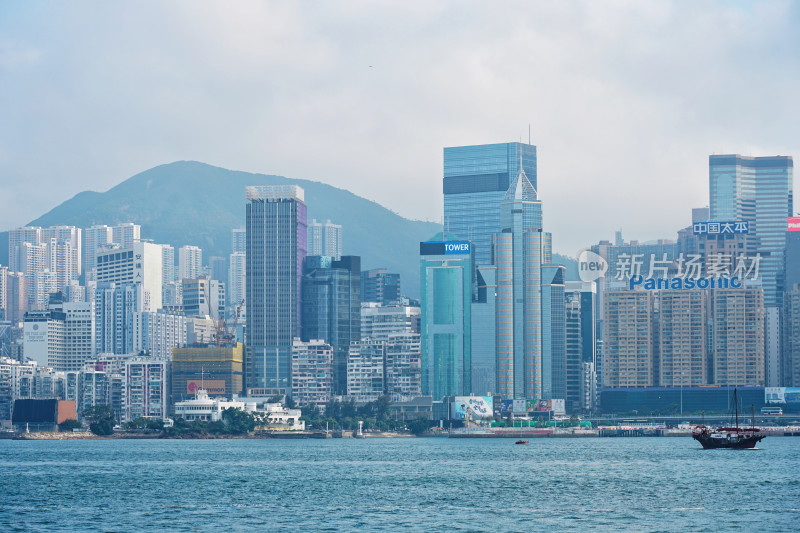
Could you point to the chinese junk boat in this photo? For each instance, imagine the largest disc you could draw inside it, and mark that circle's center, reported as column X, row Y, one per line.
column 735, row 438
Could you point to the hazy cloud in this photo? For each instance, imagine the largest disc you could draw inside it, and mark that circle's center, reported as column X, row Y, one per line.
column 626, row 100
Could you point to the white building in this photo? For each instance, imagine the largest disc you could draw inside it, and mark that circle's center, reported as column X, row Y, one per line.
column 378, row 322
column 208, row 409
column 141, row 263
column 365, row 370
column 312, row 372
column 237, row 279
column 126, row 234
column 158, row 333
column 325, row 238
column 190, row 262
column 403, row 366
column 145, row 389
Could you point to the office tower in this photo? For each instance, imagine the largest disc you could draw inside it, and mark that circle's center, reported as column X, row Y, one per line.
column 126, row 234
column 276, row 249
column 628, row 339
column 737, row 321
column 325, row 238
column 95, row 238
column 31, row 259
column 446, row 297
column 79, row 342
column 378, row 321
column 483, row 328
column 204, row 297
column 476, row 179
column 216, row 369
column 312, row 372
column 43, row 338
column 553, row 332
column 331, row 303
column 519, row 252
column 190, row 262
column 791, row 337
column 158, row 333
column 141, row 263
column 580, row 355
column 3, row 292
column 403, row 368
column 365, row 370
column 115, row 307
column 16, row 297
column 757, row 190
column 237, row 281
column 379, row 286
column 239, row 241
column 682, row 338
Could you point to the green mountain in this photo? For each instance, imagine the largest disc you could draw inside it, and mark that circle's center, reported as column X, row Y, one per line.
column 187, row 202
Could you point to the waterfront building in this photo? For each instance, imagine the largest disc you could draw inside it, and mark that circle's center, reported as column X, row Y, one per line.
column 476, row 179
column 737, row 321
column 365, row 370
column 276, row 248
column 683, row 341
column 519, row 252
column 325, row 238
column 379, row 321
column 312, row 372
column 483, row 330
column 446, row 298
column 380, row 286
column 628, row 339
column 331, row 305
column 190, row 262
column 216, row 369
column 141, row 263
column 145, row 389
column 402, row 368
column 202, row 407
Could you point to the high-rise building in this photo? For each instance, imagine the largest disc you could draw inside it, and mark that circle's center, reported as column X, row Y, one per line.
column 446, row 298
column 18, row 236
column 44, row 334
column 237, row 281
column 379, row 321
column 219, row 268
column 403, row 369
column 79, row 342
column 483, row 329
column 141, row 263
column 580, row 350
column 190, row 262
column 158, row 333
column 115, row 308
column 276, row 249
column 203, row 297
column 216, row 369
column 365, row 370
column 380, row 286
column 239, row 241
column 145, row 389
column 325, row 238
column 683, row 340
column 126, row 234
column 737, row 321
column 31, row 259
column 95, row 238
column 167, row 264
column 331, row 296
column 628, row 339
column 476, row 179
column 16, row 297
column 520, row 251
column 312, row 372
column 554, row 370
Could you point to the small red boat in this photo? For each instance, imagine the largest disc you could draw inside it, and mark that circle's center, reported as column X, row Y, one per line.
column 522, row 442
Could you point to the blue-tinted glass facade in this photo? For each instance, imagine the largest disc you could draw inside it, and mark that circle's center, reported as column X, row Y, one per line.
column 446, row 290
column 476, row 179
column 554, row 371
column 276, row 249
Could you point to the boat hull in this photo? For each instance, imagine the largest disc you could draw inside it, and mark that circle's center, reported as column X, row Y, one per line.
column 738, row 442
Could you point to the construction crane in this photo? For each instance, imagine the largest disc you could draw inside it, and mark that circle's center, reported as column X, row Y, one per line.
column 224, row 334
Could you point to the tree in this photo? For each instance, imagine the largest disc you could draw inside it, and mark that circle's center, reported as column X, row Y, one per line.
column 310, row 412
column 69, row 425
column 101, row 418
column 238, row 421
column 418, row 426
column 383, row 407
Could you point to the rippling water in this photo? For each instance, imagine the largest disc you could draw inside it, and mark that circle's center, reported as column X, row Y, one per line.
column 635, row 484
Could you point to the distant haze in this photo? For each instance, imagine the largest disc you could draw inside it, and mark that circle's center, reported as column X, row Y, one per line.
column 626, row 100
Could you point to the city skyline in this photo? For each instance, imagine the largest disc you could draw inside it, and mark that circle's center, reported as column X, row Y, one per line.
column 607, row 114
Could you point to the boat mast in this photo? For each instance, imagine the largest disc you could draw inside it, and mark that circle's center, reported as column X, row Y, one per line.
column 736, row 404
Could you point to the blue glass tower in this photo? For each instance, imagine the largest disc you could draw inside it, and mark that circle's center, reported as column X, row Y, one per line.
column 476, row 179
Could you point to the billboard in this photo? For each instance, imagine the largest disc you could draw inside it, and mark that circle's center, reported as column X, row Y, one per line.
column 793, row 224
column 212, row 386
column 557, row 406
column 782, row 395
column 720, row 228
column 479, row 407
column 516, row 407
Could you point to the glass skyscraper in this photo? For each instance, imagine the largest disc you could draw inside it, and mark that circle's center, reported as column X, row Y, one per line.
column 332, row 308
column 476, row 179
column 758, row 190
column 276, row 248
column 446, row 290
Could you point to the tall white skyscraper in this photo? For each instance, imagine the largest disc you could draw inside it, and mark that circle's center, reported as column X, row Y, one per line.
column 94, row 238
column 325, row 238
column 236, row 281
column 126, row 234
column 142, row 263
column 190, row 262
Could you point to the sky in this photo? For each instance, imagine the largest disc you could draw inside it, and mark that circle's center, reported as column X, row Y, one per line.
column 625, row 100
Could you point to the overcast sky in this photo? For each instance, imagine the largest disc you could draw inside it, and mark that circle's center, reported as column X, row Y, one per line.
column 626, row 100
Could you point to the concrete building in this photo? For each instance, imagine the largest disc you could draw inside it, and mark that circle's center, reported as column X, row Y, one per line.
column 190, row 262
column 628, row 339
column 380, row 286
column 237, row 283
column 403, row 367
column 325, row 238
column 203, row 407
column 365, row 370
column 683, row 340
column 204, row 297
column 580, row 346
column 145, row 389
column 141, row 264
column 216, row 369
column 158, row 333
column 378, row 321
column 115, row 308
column 737, row 321
column 312, row 372
column 276, row 249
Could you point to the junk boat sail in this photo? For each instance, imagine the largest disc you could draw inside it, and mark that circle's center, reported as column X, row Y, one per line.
column 729, row 437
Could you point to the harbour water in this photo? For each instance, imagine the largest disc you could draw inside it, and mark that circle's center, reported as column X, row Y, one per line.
column 625, row 484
